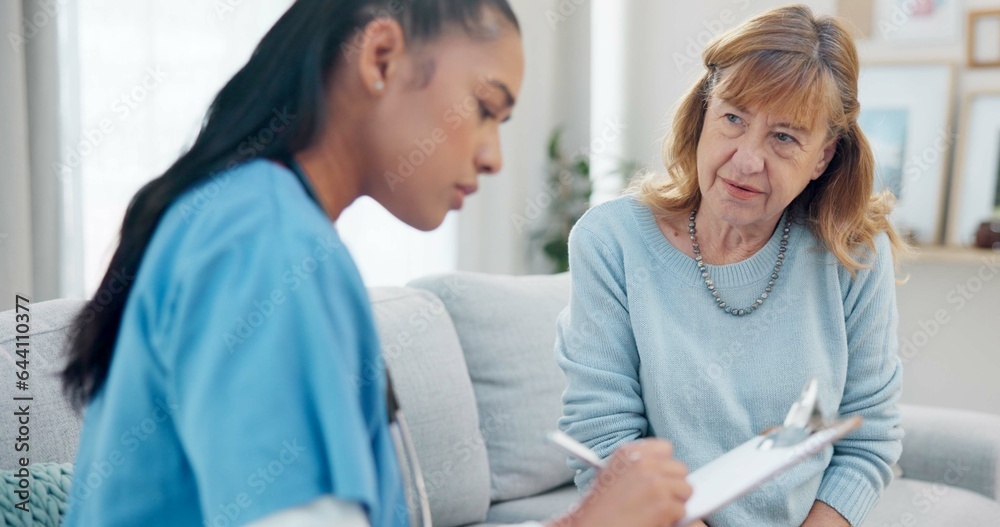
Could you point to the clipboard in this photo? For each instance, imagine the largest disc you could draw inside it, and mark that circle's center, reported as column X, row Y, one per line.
column 737, row 472
column 746, row 467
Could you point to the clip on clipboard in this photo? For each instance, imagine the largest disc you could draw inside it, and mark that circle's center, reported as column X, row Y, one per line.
column 746, row 467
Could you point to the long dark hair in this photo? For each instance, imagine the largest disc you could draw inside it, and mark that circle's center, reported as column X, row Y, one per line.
column 287, row 73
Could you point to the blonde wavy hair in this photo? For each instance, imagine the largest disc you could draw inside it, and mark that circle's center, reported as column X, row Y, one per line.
column 787, row 60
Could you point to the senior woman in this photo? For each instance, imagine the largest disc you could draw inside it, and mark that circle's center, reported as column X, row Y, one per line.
column 704, row 299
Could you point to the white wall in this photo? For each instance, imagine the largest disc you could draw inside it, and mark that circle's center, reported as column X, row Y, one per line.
column 664, row 45
column 555, row 92
column 949, row 335
column 664, row 58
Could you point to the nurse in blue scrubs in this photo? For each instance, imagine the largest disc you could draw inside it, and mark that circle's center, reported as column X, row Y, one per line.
column 218, row 381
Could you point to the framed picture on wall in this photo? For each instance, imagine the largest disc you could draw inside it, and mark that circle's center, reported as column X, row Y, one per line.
column 976, row 182
column 984, row 39
column 908, row 22
column 906, row 116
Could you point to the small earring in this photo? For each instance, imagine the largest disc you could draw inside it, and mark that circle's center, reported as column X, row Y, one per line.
column 379, row 85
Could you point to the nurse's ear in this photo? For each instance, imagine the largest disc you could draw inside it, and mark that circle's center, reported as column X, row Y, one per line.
column 381, row 54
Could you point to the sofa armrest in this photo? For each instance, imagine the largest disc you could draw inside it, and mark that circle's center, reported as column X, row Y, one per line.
column 959, row 448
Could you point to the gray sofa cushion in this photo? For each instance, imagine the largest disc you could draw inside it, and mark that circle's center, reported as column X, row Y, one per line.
column 55, row 427
column 432, row 383
column 541, row 507
column 507, row 326
column 958, row 448
column 912, row 502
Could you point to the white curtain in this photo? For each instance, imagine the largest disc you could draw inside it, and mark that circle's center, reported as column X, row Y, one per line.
column 15, row 189
column 31, row 208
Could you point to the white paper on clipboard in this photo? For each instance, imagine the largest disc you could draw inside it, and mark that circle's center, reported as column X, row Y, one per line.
column 746, row 467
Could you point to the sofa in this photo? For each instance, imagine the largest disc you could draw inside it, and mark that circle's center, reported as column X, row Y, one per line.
column 471, row 356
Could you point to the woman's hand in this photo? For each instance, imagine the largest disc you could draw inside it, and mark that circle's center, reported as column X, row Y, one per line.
column 642, row 486
column 823, row 515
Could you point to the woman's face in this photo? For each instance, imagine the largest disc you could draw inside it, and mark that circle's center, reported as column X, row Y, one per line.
column 437, row 128
column 752, row 164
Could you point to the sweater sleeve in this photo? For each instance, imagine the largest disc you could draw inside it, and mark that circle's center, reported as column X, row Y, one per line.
column 595, row 347
column 860, row 468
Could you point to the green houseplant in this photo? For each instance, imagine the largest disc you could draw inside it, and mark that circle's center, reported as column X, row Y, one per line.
column 568, row 189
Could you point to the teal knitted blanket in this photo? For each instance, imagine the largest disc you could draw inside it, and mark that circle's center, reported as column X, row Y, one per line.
column 49, row 488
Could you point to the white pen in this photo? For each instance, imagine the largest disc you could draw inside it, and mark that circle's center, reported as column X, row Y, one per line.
column 574, row 448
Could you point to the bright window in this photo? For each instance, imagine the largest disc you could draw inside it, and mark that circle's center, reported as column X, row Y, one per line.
column 149, row 71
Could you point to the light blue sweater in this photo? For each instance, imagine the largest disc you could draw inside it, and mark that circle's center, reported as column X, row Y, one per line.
column 647, row 353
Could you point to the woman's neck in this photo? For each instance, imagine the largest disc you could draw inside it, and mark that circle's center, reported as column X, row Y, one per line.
column 332, row 167
column 720, row 243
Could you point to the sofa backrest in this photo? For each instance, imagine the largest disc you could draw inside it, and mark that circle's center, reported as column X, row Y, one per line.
column 431, row 379
column 54, row 426
column 507, row 327
column 420, row 346
column 478, row 399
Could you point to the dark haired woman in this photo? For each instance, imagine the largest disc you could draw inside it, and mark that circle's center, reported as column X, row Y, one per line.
column 233, row 349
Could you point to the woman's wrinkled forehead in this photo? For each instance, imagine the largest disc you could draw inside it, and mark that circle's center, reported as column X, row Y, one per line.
column 775, row 84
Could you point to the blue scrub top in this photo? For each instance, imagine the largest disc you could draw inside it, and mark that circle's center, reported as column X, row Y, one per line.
column 242, row 380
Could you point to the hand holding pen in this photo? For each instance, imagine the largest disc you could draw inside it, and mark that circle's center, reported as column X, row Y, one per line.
column 640, row 485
